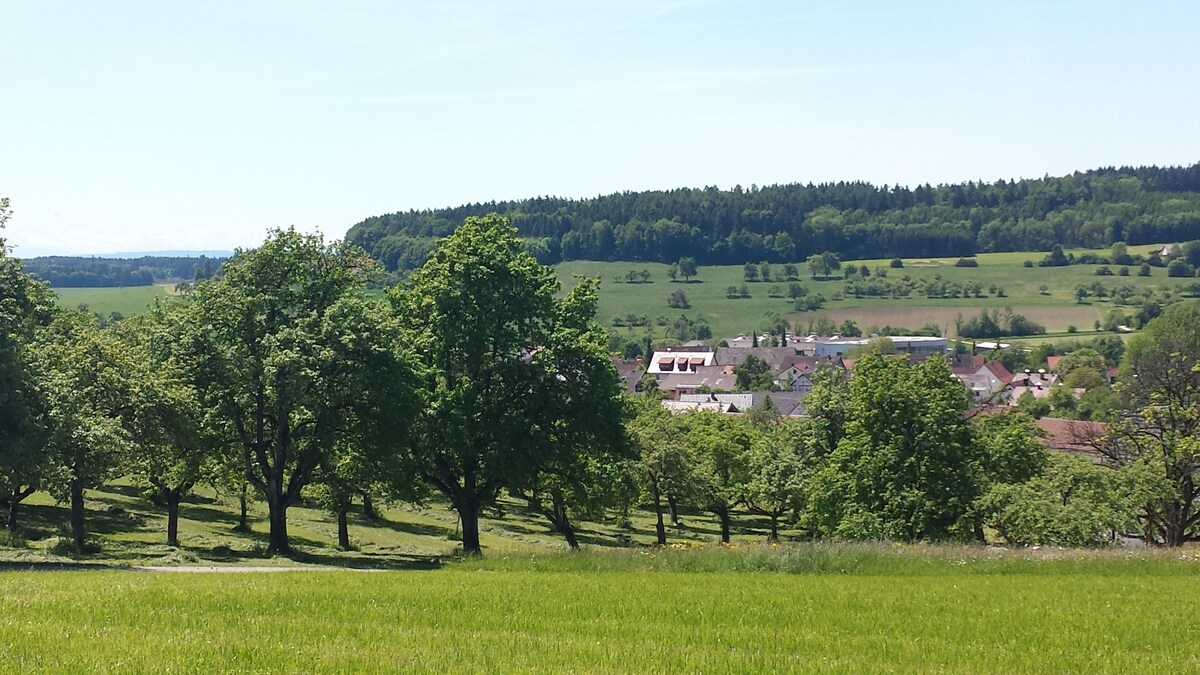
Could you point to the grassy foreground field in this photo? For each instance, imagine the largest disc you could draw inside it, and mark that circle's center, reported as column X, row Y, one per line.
column 1106, row 616
column 622, row 605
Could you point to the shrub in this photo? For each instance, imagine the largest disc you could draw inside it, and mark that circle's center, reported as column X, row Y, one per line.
column 60, row 546
column 678, row 300
column 11, row 539
column 1103, row 271
column 1180, row 268
column 1123, row 271
column 1028, row 263
column 967, row 262
column 897, row 263
column 1144, row 270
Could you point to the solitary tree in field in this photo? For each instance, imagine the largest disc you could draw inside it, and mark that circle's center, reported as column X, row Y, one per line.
column 512, row 376
column 687, row 268
column 904, row 464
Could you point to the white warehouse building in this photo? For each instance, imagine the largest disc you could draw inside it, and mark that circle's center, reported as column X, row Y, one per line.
column 917, row 345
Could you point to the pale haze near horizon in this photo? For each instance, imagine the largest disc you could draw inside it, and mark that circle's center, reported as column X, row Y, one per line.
column 170, row 125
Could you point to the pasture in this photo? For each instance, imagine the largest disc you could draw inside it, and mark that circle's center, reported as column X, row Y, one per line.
column 1099, row 616
column 127, row 301
column 1056, row 307
column 403, row 601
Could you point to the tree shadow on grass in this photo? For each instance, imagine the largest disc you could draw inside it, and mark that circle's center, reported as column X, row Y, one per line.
column 402, row 527
column 367, row 561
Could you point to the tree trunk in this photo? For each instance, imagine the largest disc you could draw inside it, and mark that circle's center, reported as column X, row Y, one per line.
column 369, row 511
column 659, row 529
column 562, row 522
column 78, row 530
column 243, row 524
column 1176, row 532
column 13, row 502
column 343, row 530
column 172, row 498
column 774, row 536
column 723, row 514
column 672, row 504
column 12, row 514
column 468, row 514
column 277, row 539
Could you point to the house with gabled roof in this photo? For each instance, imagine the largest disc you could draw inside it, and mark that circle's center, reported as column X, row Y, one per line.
column 984, row 378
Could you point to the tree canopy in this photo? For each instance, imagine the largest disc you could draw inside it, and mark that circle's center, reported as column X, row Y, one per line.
column 512, row 375
column 788, row 223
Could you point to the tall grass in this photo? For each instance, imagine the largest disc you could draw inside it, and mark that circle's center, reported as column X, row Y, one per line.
column 862, row 559
column 534, row 621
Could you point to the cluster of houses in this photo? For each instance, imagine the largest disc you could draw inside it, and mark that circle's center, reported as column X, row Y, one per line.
column 694, row 376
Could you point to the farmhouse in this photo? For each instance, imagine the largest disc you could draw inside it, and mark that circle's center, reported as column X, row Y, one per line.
column 985, row 379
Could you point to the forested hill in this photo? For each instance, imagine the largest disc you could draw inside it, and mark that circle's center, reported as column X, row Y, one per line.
column 73, row 271
column 856, row 220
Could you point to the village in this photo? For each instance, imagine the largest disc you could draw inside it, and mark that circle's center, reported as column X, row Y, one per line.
column 730, row 378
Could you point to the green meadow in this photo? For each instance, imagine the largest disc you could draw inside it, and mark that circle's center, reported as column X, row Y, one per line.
column 1104, row 616
column 404, row 600
column 1056, row 307
column 127, row 301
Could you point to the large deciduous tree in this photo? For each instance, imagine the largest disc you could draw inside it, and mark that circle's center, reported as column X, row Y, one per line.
column 666, row 466
column 286, row 348
column 903, row 469
column 25, row 307
column 720, row 446
column 584, row 460
column 512, row 376
column 778, row 464
column 168, row 443
column 1160, row 428
column 88, row 378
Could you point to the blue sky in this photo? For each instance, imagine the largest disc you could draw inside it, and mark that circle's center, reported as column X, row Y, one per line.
column 198, row 125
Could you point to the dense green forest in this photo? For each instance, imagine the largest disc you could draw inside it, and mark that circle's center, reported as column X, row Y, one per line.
column 785, row 223
column 77, row 271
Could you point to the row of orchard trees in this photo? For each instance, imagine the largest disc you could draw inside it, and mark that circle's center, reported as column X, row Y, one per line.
column 470, row 379
column 474, row 378
column 894, row 454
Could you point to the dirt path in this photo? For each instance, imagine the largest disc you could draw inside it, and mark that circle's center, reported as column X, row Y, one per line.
column 233, row 569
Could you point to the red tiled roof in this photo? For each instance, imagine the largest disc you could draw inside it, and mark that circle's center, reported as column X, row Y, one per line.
column 1052, row 361
column 1070, row 435
column 999, row 371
